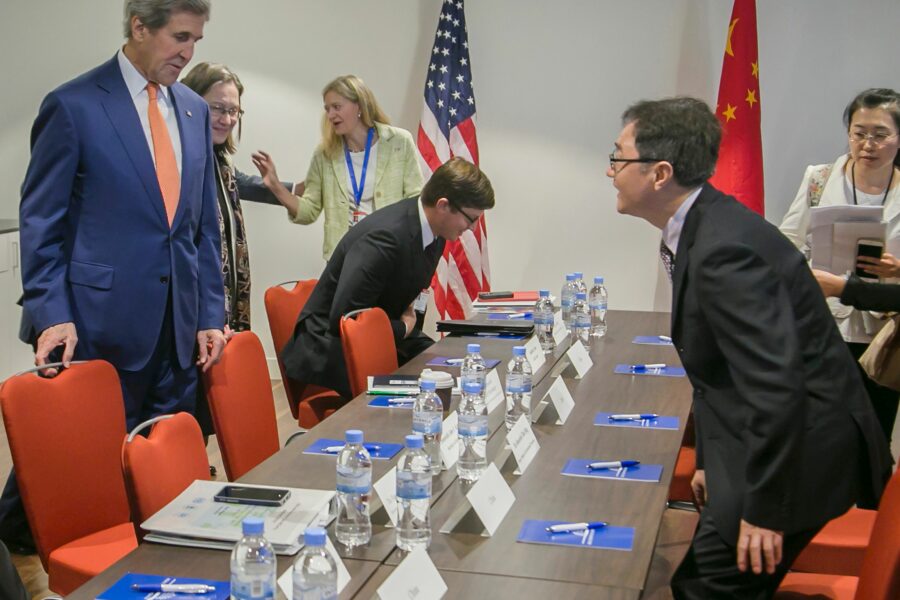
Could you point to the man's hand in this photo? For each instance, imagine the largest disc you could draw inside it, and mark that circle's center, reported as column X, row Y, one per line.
column 409, row 319
column 886, row 266
column 50, row 338
column 698, row 486
column 758, row 547
column 211, row 342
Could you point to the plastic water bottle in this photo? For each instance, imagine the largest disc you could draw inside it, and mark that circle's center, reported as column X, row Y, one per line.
column 581, row 320
column 473, row 432
column 353, row 526
column 315, row 572
column 428, row 421
column 518, row 388
column 473, row 367
column 543, row 321
column 580, row 286
column 414, row 496
column 597, row 302
column 566, row 298
column 253, row 564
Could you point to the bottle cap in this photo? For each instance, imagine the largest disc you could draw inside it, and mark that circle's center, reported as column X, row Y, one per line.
column 578, row 275
column 544, row 293
column 472, row 387
column 570, row 277
column 598, row 280
column 354, row 436
column 253, row 526
column 414, row 440
column 428, row 385
column 473, row 348
column 518, row 350
column 314, row 536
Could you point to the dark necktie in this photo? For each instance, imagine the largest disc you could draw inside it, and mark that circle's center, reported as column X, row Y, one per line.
column 668, row 259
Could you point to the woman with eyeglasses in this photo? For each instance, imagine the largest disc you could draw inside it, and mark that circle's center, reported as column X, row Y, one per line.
column 361, row 165
column 222, row 90
column 868, row 175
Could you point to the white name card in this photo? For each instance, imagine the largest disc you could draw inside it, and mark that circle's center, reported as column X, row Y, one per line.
column 491, row 497
column 386, row 488
column 579, row 356
column 534, row 353
column 450, row 440
column 286, row 581
column 560, row 331
column 524, row 445
column 493, row 391
column 562, row 399
column 416, row 578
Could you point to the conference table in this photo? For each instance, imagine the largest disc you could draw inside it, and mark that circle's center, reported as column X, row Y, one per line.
column 472, row 564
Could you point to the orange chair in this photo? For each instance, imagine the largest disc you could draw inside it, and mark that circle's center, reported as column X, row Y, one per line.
column 242, row 406
column 369, row 348
column 309, row 403
column 841, row 545
column 681, row 495
column 879, row 577
column 162, row 465
column 65, row 435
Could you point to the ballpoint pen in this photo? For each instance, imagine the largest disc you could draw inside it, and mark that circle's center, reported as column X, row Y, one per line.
column 336, row 449
column 634, row 417
column 518, row 315
column 664, row 338
column 614, row 464
column 406, row 400
column 454, row 361
column 570, row 527
column 647, row 367
column 173, row 588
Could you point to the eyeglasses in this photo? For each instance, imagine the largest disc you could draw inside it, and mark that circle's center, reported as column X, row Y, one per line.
column 613, row 160
column 472, row 220
column 219, row 111
column 879, row 138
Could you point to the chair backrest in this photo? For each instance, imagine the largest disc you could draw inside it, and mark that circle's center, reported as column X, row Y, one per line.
column 240, row 398
column 163, row 464
column 65, row 435
column 369, row 348
column 879, row 578
column 283, row 306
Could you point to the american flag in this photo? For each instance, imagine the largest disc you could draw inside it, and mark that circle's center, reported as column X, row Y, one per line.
column 447, row 129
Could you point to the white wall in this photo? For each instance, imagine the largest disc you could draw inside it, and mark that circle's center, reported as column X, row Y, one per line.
column 551, row 80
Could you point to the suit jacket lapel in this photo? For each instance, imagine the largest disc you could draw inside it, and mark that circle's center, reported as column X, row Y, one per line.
column 685, row 241
column 119, row 108
column 384, row 150
column 189, row 147
column 339, row 165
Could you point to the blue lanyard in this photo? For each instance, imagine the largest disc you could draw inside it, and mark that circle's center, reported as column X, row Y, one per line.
column 358, row 188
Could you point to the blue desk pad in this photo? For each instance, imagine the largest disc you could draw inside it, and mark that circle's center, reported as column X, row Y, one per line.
column 385, row 451
column 384, row 402
column 528, row 316
column 661, row 422
column 121, row 590
column 456, row 362
column 663, row 372
column 578, row 467
column 609, row 538
column 650, row 340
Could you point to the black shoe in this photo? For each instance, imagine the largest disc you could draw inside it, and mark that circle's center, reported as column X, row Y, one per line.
column 212, row 471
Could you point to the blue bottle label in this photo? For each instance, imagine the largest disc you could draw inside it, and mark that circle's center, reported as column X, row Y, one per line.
column 413, row 486
column 353, row 481
column 426, row 423
column 473, row 425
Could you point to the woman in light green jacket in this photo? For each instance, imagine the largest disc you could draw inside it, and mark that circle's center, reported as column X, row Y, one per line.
column 361, row 165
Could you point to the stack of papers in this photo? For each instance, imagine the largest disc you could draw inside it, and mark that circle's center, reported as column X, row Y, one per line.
column 519, row 299
column 394, row 385
column 195, row 519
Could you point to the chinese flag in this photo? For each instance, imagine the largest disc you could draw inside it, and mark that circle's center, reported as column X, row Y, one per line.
column 739, row 171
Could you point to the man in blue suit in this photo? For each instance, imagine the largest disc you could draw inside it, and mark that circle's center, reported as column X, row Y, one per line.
column 120, row 237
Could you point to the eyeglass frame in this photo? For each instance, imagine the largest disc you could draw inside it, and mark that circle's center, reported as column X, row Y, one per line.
column 219, row 111
column 870, row 137
column 472, row 222
column 613, row 160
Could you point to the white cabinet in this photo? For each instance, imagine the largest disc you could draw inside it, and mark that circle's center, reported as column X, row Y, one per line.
column 14, row 355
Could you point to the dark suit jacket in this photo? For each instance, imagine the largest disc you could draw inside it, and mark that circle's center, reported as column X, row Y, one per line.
column 866, row 295
column 379, row 262
column 785, row 431
column 97, row 249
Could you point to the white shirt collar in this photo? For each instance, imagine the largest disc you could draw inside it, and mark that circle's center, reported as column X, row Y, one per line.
column 427, row 234
column 134, row 81
column 671, row 233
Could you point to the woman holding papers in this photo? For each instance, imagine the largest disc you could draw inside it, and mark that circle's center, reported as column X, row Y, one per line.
column 362, row 164
column 868, row 175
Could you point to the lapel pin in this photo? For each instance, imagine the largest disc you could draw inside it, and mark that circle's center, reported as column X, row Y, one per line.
column 188, row 113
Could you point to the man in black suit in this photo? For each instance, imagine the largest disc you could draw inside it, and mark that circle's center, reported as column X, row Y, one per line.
column 385, row 261
column 786, row 437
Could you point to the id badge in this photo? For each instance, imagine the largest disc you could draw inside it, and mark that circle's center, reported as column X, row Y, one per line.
column 356, row 216
column 421, row 302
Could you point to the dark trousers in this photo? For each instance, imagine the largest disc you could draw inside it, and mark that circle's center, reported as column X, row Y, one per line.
column 11, row 587
column 884, row 400
column 709, row 570
column 412, row 346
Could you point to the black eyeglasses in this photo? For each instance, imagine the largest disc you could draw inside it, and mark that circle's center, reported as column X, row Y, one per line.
column 468, row 217
column 613, row 160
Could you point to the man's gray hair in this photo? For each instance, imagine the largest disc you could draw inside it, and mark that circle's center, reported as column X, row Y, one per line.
column 155, row 14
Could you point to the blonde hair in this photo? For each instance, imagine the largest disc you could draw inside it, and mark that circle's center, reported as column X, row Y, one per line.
column 355, row 90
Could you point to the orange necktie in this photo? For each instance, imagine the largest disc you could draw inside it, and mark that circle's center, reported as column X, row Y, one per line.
column 166, row 167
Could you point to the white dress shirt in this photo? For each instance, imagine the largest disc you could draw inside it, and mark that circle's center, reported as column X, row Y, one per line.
column 671, row 233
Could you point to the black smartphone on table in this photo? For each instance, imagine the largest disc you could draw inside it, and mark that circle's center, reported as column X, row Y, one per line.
column 239, row 494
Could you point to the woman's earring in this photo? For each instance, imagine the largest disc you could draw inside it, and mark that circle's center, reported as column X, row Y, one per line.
column 359, row 115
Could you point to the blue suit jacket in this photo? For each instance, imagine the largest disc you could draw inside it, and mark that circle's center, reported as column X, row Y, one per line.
column 97, row 248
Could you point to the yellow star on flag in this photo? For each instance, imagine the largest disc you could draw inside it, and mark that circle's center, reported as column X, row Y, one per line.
column 751, row 98
column 755, row 68
column 728, row 113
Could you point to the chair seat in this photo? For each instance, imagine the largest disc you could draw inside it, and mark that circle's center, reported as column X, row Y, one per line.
column 813, row 585
column 839, row 548
column 74, row 563
column 685, row 465
column 312, row 410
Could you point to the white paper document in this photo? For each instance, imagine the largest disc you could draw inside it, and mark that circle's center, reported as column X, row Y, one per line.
column 835, row 231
